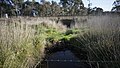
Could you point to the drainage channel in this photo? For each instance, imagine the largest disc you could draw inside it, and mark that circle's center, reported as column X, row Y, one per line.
column 63, row 59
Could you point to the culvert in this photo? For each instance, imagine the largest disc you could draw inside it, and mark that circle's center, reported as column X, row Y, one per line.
column 68, row 22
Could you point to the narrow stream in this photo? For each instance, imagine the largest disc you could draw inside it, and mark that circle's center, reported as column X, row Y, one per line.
column 64, row 59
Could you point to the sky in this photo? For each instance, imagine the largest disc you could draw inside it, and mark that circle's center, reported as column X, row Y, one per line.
column 105, row 4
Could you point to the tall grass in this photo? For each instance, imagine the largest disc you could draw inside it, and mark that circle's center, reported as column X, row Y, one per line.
column 102, row 42
column 22, row 41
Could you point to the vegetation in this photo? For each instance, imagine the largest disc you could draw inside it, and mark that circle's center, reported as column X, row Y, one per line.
column 116, row 6
column 46, row 8
column 73, row 7
column 95, row 11
column 19, row 47
column 22, row 43
column 101, row 42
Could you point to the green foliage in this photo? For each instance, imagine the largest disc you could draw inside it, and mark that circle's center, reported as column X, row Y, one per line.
column 116, row 6
column 73, row 7
column 53, row 35
column 46, row 8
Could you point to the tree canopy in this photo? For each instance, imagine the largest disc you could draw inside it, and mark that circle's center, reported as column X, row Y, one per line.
column 47, row 8
column 116, row 6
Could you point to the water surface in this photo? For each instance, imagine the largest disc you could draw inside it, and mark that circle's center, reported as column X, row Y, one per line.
column 64, row 59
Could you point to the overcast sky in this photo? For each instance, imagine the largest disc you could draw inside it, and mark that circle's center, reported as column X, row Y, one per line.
column 105, row 4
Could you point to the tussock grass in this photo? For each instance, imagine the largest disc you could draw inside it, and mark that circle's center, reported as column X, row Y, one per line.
column 102, row 42
column 22, row 41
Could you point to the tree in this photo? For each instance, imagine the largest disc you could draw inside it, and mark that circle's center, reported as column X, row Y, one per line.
column 96, row 11
column 116, row 6
column 18, row 1
column 72, row 6
column 64, row 3
column 55, row 8
column 77, row 6
column 43, row 1
column 6, row 6
column 27, row 7
column 45, row 9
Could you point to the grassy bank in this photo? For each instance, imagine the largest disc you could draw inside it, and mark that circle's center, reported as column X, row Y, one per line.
column 101, row 42
column 23, row 41
column 18, row 46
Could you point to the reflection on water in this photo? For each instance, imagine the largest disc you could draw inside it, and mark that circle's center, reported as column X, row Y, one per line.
column 62, row 56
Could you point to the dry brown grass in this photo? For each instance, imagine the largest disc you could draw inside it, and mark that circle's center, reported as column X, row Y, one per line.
column 102, row 41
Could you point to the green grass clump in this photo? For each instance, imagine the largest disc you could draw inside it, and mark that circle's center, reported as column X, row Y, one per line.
column 55, row 35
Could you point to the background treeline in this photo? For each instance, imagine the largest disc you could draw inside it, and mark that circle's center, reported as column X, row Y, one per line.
column 47, row 8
